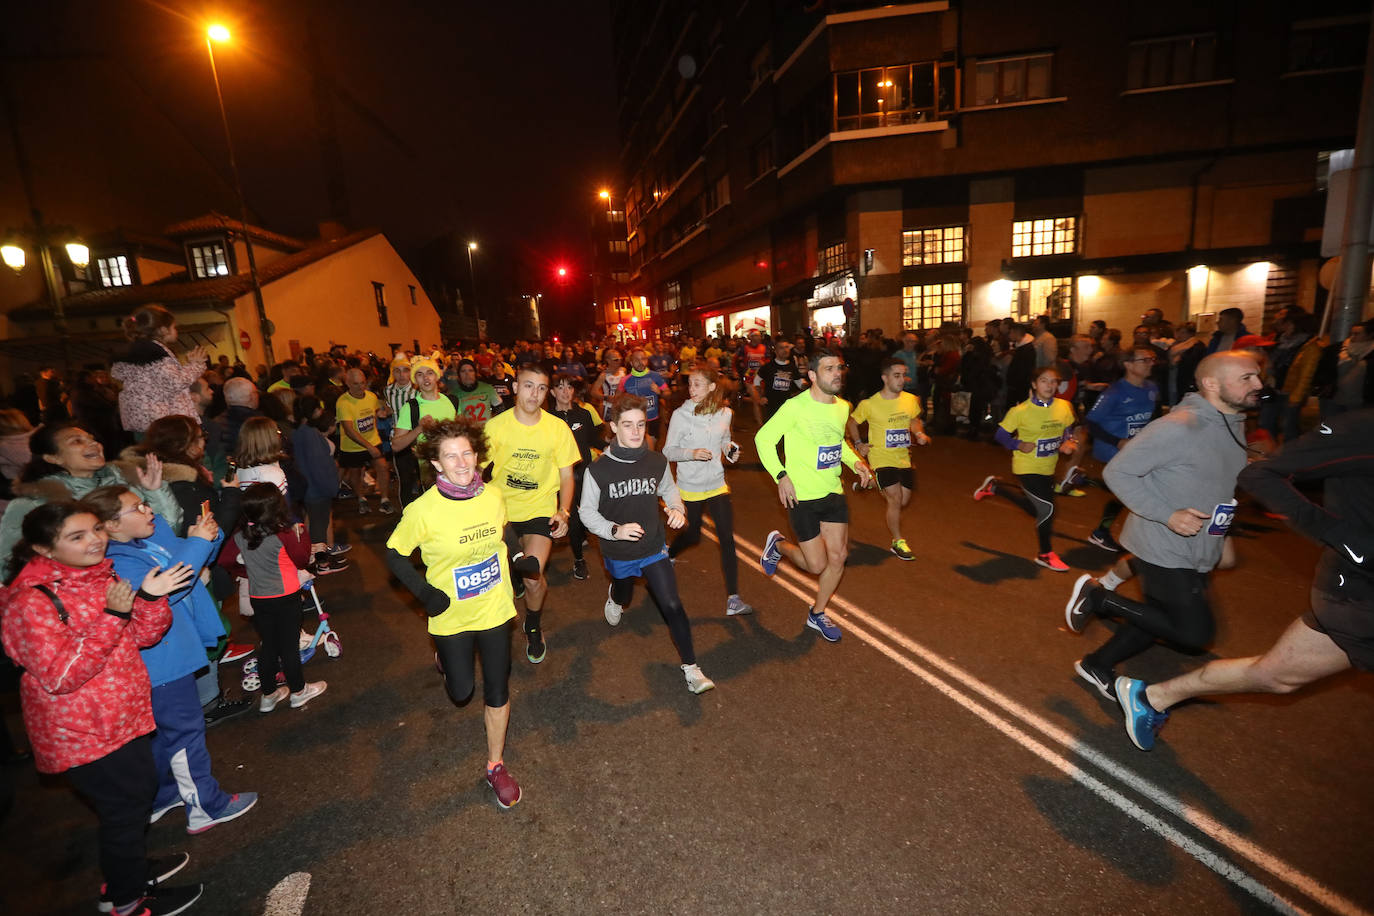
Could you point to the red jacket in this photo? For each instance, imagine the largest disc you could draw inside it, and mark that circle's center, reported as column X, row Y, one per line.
column 85, row 691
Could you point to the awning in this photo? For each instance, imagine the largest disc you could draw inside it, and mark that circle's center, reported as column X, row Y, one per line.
column 806, row 288
column 731, row 303
column 99, row 346
column 1159, row 262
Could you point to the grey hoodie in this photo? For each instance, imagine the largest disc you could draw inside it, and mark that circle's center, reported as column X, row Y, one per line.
column 1186, row 459
column 689, row 430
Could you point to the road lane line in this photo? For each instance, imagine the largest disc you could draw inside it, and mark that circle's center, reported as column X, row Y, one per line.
column 1198, row 819
column 288, row 897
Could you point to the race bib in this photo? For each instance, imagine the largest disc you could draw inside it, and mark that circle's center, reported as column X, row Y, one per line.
column 781, row 383
column 1135, row 425
column 897, row 438
column 1222, row 517
column 365, row 424
column 477, row 579
column 827, row 456
column 1044, row 448
column 650, row 406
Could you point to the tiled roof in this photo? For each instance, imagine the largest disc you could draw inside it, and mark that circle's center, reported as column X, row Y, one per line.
column 218, row 222
column 177, row 289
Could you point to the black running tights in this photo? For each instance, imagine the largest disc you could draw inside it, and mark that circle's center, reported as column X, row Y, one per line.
column 723, row 517
column 1037, row 499
column 1175, row 610
column 662, row 583
column 460, row 668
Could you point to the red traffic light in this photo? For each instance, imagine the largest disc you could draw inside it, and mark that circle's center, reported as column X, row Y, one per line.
column 562, row 271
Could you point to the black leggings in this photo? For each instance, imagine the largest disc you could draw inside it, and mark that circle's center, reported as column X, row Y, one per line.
column 662, row 583
column 121, row 787
column 723, row 517
column 1175, row 610
column 278, row 622
column 1037, row 499
column 577, row 532
column 456, row 658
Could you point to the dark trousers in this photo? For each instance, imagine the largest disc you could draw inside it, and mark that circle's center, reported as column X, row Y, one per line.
column 723, row 517
column 120, row 787
column 1037, row 499
column 1175, row 610
column 179, row 752
column 662, row 583
column 577, row 532
column 456, row 657
column 408, row 475
column 278, row 622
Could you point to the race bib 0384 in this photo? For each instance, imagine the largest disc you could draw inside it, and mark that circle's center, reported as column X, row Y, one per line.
column 898, row 438
column 477, row 579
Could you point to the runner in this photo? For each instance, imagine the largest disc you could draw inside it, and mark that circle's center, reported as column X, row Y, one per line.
column 893, row 416
column 477, row 401
column 1178, row 478
column 780, row 378
column 698, row 437
column 1037, row 430
column 749, row 359
column 608, row 382
column 532, row 455
column 1338, row 632
column 465, row 589
column 620, row 498
column 649, row 385
column 429, row 406
column 585, row 425
column 812, row 426
column 360, row 445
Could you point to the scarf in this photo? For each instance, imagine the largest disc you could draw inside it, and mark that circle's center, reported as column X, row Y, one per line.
column 454, row 491
column 628, row 454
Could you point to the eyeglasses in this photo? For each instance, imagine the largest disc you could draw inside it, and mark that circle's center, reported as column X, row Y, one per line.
column 142, row 507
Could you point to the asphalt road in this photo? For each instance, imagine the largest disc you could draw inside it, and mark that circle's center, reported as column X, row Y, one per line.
column 942, row 758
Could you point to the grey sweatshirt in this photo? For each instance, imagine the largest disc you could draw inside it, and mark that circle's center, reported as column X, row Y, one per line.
column 1186, row 459
column 689, row 430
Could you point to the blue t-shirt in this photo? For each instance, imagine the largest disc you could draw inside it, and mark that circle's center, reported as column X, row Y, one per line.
column 1122, row 410
column 646, row 386
column 573, row 368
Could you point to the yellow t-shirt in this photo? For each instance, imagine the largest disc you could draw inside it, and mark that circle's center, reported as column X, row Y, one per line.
column 526, row 461
column 686, row 358
column 363, row 412
column 889, row 428
column 714, row 353
column 1043, row 426
column 465, row 558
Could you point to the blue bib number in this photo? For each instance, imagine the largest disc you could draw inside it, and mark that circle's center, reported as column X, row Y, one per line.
column 650, row 406
column 827, row 456
column 477, row 579
column 1135, row 425
column 365, row 424
column 1045, row 448
column 898, row 438
column 1222, row 517
column 781, row 383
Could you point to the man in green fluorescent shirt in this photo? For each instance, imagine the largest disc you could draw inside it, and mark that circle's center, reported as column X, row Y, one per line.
column 811, row 426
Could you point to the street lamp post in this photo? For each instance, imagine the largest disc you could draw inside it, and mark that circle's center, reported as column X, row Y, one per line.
column 472, row 279
column 213, row 34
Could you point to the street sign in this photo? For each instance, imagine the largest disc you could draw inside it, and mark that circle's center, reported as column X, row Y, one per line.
column 245, row 341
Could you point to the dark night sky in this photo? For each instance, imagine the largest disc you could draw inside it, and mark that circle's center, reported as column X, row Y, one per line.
column 493, row 120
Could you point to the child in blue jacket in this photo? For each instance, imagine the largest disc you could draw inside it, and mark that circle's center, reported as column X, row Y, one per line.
column 315, row 462
column 141, row 541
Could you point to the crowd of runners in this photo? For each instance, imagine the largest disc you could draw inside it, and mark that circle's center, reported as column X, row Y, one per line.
column 126, row 548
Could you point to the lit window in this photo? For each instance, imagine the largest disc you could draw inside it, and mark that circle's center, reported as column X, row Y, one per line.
column 618, row 246
column 378, row 293
column 932, row 305
column 1052, row 296
column 1012, row 79
column 1171, row 61
column 615, row 216
column 672, row 296
column 1032, row 238
column 886, row 96
column 209, row 261
column 944, row 245
column 833, row 258
column 114, row 271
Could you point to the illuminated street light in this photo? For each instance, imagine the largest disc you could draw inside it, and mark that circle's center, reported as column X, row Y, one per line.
column 218, row 33
column 604, row 194
column 79, row 255
column 472, row 278
column 13, row 257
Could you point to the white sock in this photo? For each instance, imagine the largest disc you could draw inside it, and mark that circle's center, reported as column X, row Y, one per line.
column 1110, row 581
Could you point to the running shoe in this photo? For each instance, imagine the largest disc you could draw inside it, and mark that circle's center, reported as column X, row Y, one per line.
column 901, row 550
column 1099, row 678
column 536, row 649
column 308, row 693
column 387, row 508
column 696, row 681
column 338, row 549
column 269, row 701
column 1071, row 479
column 158, row 812
column 772, row 556
column 237, row 650
column 1068, row 490
column 1103, row 538
column 735, row 606
column 1051, row 561
column 1143, row 721
column 167, row 901
column 613, row 610
column 326, row 565
column 579, row 569
column 821, row 624
column 160, row 868
column 507, row 790
column 1078, row 611
column 240, row 803
column 226, row 709
column 986, row 488
column 363, row 507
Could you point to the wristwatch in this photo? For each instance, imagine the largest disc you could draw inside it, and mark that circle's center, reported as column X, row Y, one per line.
column 782, row 474
column 615, row 529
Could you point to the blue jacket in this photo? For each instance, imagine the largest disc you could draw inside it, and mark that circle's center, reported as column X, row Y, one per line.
column 315, row 464
column 1215, row 342
column 195, row 619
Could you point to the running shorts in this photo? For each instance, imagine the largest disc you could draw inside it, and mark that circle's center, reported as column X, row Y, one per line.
column 1350, row 624
column 806, row 516
column 888, row 476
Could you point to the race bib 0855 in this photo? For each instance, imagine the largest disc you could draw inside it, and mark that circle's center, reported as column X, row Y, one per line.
column 477, row 579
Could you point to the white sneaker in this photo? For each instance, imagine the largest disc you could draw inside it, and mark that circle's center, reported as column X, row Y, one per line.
column 736, row 606
column 613, row 610
column 363, row 507
column 269, row 701
column 308, row 693
column 696, row 681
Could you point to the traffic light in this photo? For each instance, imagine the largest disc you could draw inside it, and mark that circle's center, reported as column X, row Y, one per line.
column 562, row 272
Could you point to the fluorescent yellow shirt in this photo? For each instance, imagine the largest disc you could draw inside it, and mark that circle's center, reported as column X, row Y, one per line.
column 465, row 558
column 526, row 461
column 363, row 412
column 1042, row 426
column 889, row 428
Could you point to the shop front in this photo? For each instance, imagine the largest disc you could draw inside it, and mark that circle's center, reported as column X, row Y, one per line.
column 825, row 305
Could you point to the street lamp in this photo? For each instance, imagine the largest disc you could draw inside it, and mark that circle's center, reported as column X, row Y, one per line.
column 43, row 237
column 472, row 279
column 220, row 33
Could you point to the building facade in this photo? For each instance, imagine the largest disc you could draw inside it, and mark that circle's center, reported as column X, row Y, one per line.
column 790, row 165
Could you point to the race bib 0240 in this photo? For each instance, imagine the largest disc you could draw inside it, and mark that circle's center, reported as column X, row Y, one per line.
column 827, row 456
column 1222, row 517
column 477, row 579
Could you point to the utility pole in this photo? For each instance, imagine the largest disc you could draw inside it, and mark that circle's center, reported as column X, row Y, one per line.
column 1352, row 285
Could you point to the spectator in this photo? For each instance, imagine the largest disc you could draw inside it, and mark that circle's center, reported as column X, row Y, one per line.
column 241, row 396
column 95, row 405
column 1187, row 351
column 15, row 430
column 1230, row 328
column 314, row 456
column 1297, row 380
column 1350, row 389
column 1046, row 344
column 155, row 382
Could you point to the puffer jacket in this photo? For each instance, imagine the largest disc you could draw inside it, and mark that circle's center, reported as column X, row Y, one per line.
column 85, row 690
column 156, row 385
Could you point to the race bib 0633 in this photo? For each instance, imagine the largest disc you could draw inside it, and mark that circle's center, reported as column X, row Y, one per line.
column 827, row 456
column 477, row 579
column 898, row 438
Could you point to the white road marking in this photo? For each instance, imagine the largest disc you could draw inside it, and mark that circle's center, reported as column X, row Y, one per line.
column 288, row 897
column 1198, row 819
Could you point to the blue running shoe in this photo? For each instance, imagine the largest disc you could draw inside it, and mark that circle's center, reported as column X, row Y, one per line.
column 1143, row 721
column 822, row 625
column 772, row 556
